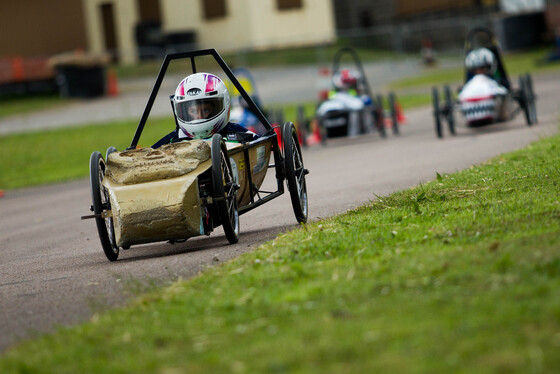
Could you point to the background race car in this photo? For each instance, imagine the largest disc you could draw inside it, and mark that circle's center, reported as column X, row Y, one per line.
column 349, row 108
column 487, row 96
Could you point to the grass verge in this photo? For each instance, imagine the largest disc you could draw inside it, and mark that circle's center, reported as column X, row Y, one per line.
column 34, row 163
column 63, row 154
column 515, row 64
column 16, row 105
column 318, row 55
column 461, row 274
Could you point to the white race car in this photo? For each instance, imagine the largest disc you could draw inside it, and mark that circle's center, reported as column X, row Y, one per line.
column 350, row 109
column 487, row 96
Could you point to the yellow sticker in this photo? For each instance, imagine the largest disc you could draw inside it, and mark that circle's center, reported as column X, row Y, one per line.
column 241, row 164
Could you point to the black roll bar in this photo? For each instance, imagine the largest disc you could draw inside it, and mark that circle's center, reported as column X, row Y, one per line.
column 192, row 55
column 347, row 50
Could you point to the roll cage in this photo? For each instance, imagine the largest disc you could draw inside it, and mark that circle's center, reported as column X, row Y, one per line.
column 483, row 37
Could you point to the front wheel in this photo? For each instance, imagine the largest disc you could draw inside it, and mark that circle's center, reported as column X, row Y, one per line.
column 437, row 119
column 531, row 99
column 393, row 108
column 295, row 172
column 102, row 206
column 225, row 189
column 380, row 116
column 449, row 109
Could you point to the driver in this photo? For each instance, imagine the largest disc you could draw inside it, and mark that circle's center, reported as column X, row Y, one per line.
column 201, row 107
column 346, row 81
column 345, row 84
column 482, row 61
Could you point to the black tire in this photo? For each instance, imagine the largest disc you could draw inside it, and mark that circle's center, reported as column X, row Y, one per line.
column 531, row 99
column 526, row 98
column 225, row 189
column 109, row 151
column 101, row 203
column 393, row 107
column 322, row 132
column 449, row 109
column 523, row 99
column 295, row 172
column 380, row 116
column 337, row 132
column 437, row 119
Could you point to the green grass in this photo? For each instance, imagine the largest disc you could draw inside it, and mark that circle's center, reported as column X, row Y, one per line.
column 515, row 64
column 63, row 154
column 410, row 101
column 32, row 165
column 431, row 77
column 58, row 155
column 320, row 55
column 459, row 275
column 406, row 101
column 15, row 105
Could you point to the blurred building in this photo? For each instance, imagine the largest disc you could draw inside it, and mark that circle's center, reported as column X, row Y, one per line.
column 32, row 31
column 143, row 28
column 516, row 6
column 33, row 28
column 553, row 17
column 407, row 25
column 132, row 29
column 355, row 14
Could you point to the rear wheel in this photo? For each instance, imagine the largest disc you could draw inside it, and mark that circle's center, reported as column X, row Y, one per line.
column 380, row 116
column 393, row 107
column 101, row 205
column 531, row 99
column 449, row 109
column 225, row 189
column 295, row 172
column 437, row 119
column 109, row 151
column 525, row 98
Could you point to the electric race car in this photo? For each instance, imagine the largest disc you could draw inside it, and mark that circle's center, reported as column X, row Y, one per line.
column 186, row 189
column 487, row 96
column 350, row 109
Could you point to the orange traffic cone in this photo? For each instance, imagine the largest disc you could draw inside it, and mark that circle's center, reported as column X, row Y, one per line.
column 1, row 193
column 278, row 135
column 315, row 137
column 18, row 72
column 112, row 84
column 301, row 140
column 400, row 115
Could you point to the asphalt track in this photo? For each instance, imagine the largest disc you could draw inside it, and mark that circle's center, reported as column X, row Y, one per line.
column 53, row 271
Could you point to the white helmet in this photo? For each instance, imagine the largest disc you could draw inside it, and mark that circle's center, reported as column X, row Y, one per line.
column 480, row 58
column 201, row 104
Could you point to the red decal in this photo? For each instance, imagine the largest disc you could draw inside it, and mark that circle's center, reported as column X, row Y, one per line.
column 211, row 83
column 479, row 99
column 182, row 90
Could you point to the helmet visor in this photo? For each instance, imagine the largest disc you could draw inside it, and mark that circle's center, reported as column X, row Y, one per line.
column 201, row 109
